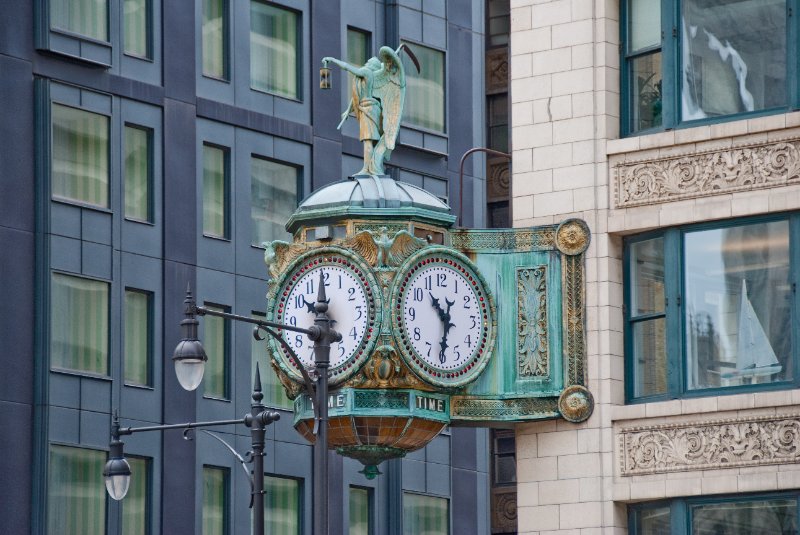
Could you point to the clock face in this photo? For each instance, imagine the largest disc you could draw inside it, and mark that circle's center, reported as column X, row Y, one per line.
column 444, row 319
column 350, row 304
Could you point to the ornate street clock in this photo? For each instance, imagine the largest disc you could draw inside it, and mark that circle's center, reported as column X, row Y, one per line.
column 444, row 317
column 352, row 303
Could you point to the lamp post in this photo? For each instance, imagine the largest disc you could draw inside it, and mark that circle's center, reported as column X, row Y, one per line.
column 190, row 358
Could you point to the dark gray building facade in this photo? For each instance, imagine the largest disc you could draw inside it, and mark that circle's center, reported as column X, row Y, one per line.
column 147, row 144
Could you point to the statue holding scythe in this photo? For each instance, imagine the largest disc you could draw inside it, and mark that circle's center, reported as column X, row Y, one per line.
column 378, row 94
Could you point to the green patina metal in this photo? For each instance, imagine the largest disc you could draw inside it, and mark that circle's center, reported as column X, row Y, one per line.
column 390, row 396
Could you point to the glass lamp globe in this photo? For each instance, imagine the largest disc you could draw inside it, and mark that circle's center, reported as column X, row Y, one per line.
column 117, row 474
column 190, row 363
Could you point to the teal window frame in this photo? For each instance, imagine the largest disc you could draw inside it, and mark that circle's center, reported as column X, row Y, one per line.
column 150, row 164
column 226, row 498
column 680, row 509
column 271, row 520
column 675, row 289
column 370, row 495
column 140, row 475
column 298, row 63
column 671, row 49
column 226, row 191
column 411, row 71
column 149, row 337
column 225, row 364
column 97, row 486
column 418, row 495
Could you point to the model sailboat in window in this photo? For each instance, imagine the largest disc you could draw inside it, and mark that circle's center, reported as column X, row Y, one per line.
column 755, row 356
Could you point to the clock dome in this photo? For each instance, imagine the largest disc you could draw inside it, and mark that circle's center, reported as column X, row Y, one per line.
column 369, row 196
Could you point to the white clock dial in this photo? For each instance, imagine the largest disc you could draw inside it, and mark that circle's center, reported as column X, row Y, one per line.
column 349, row 306
column 444, row 317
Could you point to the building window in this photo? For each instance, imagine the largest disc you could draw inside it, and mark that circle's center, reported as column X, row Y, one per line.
column 274, row 194
column 216, row 191
column 83, row 17
column 216, row 500
column 80, row 155
column 425, row 93
column 79, row 324
column 274, row 43
column 425, row 514
column 76, row 495
column 138, row 338
column 136, row 506
column 138, row 173
column 360, row 511
column 217, row 343
column 774, row 514
column 358, row 46
column 499, row 21
column 137, row 39
column 691, row 60
column 709, row 308
column 274, row 393
column 282, row 505
column 215, row 39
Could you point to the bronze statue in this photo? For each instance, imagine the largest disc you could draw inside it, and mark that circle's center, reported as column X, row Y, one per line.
column 378, row 93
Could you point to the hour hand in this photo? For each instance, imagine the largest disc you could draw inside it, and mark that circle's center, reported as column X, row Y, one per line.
column 437, row 306
column 309, row 306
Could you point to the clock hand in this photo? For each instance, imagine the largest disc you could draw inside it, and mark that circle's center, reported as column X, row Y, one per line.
column 309, row 306
column 437, row 306
column 445, row 316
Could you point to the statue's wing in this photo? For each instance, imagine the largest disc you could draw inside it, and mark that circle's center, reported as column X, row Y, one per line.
column 404, row 245
column 364, row 244
column 390, row 87
column 278, row 254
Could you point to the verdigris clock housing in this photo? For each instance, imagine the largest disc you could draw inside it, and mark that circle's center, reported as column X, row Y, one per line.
column 440, row 326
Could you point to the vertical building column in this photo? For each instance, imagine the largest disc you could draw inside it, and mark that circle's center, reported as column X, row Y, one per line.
column 565, row 102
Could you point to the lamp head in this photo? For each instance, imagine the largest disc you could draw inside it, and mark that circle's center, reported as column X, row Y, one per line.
column 189, row 356
column 117, row 471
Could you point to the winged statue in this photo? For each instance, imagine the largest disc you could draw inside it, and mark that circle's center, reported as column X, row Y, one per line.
column 378, row 94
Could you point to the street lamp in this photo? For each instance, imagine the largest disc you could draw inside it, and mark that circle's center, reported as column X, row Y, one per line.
column 190, row 358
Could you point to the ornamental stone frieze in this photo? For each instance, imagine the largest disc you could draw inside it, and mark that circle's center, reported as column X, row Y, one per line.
column 700, row 174
column 709, row 445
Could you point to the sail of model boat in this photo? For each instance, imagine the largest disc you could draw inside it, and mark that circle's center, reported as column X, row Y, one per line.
column 755, row 354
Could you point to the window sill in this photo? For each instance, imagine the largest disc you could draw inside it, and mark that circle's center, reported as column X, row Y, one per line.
column 79, row 204
column 84, row 374
column 217, row 238
column 696, row 132
column 707, row 405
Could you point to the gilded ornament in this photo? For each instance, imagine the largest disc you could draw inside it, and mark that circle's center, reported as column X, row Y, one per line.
column 532, row 239
column 279, row 254
column 576, row 403
column 572, row 237
column 379, row 250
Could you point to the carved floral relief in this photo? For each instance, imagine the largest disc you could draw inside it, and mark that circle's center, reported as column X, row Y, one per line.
column 709, row 445
column 689, row 176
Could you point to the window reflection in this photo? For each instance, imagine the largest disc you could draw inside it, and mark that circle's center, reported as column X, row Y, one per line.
column 737, row 312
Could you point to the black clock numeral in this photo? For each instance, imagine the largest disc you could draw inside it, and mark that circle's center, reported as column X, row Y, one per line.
column 351, row 292
column 298, row 301
column 417, row 335
column 429, row 348
column 429, row 282
column 418, row 294
column 412, row 313
column 352, row 333
column 341, row 350
column 441, row 280
column 456, row 281
column 360, row 311
column 467, row 301
column 298, row 341
column 468, row 341
column 457, row 352
column 293, row 321
column 310, row 286
column 325, row 277
column 340, row 282
column 474, row 322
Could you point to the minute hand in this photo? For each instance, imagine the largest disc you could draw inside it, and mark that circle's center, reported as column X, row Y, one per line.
column 445, row 316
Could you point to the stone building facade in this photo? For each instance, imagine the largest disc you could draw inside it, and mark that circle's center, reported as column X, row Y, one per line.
column 688, row 202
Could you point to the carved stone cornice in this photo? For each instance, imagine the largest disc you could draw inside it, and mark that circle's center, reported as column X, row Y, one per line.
column 699, row 174
column 709, row 445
